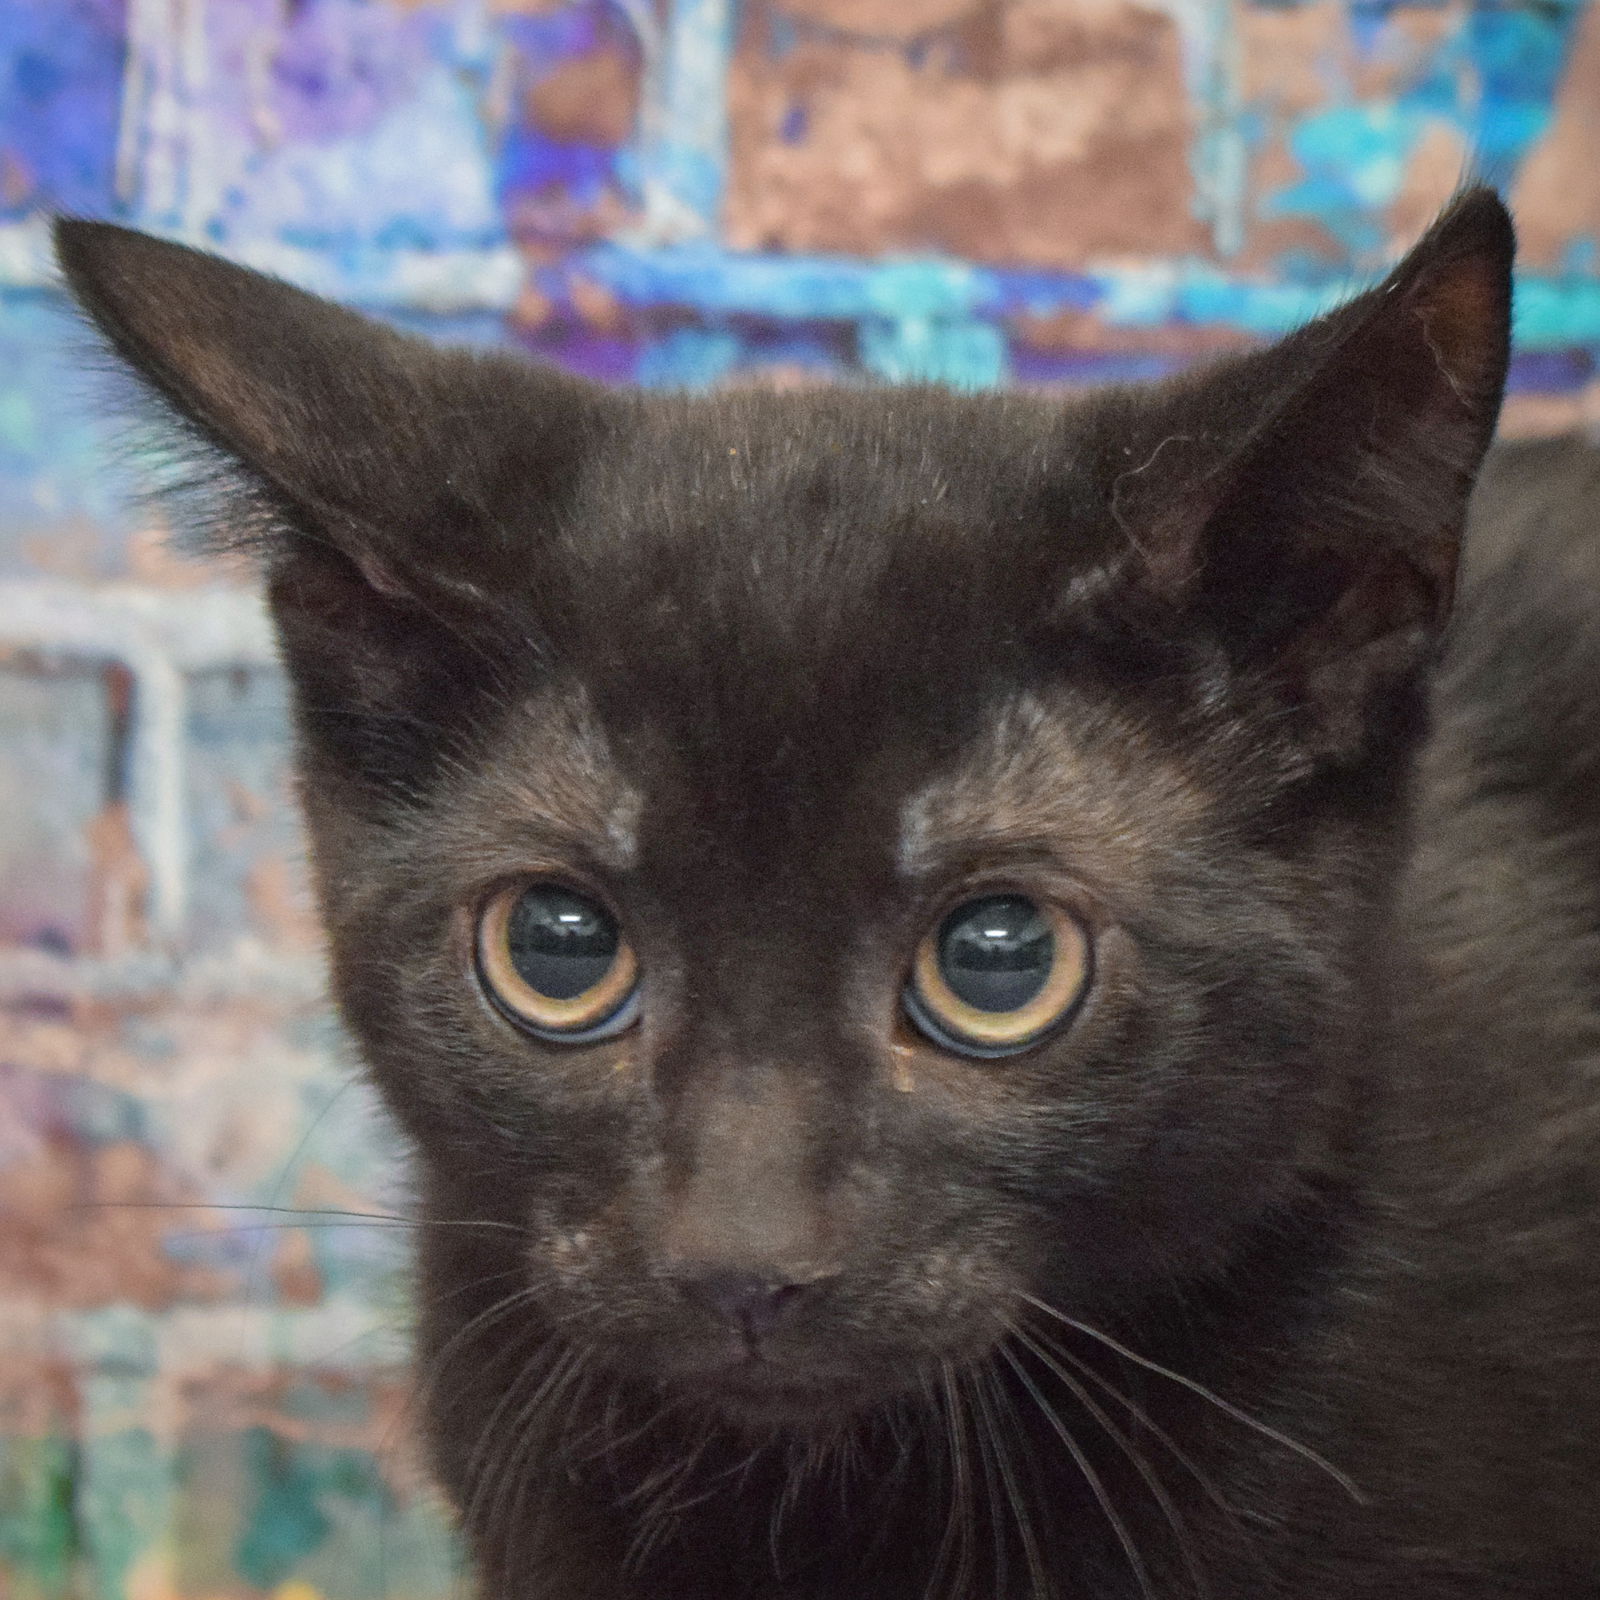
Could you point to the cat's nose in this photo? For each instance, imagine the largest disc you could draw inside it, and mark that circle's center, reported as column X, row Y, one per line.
column 752, row 1302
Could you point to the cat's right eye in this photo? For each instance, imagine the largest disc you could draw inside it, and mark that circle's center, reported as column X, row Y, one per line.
column 557, row 963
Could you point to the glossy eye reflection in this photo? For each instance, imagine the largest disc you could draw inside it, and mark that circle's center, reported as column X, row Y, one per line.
column 997, row 974
column 557, row 963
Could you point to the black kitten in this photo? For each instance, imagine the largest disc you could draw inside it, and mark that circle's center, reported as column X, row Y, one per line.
column 988, row 1051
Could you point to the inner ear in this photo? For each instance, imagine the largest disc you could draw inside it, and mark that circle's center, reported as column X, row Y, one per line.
column 1322, row 549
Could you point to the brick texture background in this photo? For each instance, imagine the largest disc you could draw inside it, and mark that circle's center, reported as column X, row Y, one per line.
column 202, row 1380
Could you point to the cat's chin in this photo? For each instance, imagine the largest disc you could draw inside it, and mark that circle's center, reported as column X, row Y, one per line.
column 761, row 1397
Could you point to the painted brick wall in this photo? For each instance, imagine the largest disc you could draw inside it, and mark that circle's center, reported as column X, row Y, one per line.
column 202, row 1386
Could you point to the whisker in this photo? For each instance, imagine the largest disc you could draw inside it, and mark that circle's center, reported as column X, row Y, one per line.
column 1144, row 1421
column 661, row 1512
column 610, row 1442
column 294, row 1211
column 1091, row 1477
column 477, row 1325
column 932, row 1399
column 796, row 1475
column 1265, row 1429
column 548, row 1358
column 390, row 1328
column 505, row 1534
column 1146, row 1472
column 428, row 1375
column 571, row 1368
column 493, row 1469
column 983, row 1428
column 958, row 1530
column 193, row 1235
column 1038, row 1579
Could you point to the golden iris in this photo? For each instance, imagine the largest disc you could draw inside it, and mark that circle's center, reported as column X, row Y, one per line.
column 557, row 962
column 997, row 974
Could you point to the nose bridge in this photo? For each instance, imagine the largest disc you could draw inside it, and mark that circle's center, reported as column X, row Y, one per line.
column 747, row 1175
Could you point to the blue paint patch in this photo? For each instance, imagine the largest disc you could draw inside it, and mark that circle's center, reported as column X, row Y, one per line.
column 531, row 162
column 60, row 92
column 55, row 437
column 554, row 35
column 606, row 360
column 1492, row 81
column 689, row 358
column 1518, row 53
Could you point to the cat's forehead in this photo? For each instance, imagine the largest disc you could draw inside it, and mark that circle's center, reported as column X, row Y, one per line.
column 761, row 553
column 785, row 619
column 816, row 497
column 777, row 627
column 1038, row 777
column 775, row 443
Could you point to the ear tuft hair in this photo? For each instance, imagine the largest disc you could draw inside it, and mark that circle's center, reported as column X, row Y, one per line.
column 398, row 453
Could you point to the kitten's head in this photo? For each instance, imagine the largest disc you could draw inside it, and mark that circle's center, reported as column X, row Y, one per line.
column 826, row 868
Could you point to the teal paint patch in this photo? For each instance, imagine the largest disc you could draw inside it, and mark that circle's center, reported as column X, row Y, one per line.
column 297, row 1488
column 124, row 1489
column 1550, row 314
column 1196, row 293
column 285, row 1523
column 1355, row 159
column 965, row 355
column 38, row 1525
column 713, row 281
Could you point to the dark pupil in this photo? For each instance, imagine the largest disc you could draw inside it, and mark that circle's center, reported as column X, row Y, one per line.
column 560, row 943
column 996, row 954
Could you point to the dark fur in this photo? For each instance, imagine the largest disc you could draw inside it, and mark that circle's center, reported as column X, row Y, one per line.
column 780, row 672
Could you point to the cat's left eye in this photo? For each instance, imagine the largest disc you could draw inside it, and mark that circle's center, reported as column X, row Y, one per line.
column 557, row 963
column 997, row 975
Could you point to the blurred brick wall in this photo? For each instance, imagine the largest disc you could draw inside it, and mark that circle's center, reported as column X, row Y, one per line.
column 202, row 1394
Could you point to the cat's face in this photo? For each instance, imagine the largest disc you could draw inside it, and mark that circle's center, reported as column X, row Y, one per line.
column 776, row 801
column 820, row 873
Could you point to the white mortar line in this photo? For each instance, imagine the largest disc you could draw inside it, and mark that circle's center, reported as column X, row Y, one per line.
column 159, row 636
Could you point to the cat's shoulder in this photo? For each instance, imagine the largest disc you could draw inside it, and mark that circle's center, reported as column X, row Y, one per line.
column 1503, row 891
column 1517, row 711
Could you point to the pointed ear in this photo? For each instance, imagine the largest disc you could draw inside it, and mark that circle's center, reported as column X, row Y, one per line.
column 1321, row 546
column 394, row 490
column 386, row 441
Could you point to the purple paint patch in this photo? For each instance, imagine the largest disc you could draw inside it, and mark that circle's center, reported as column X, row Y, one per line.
column 1550, row 371
column 339, row 66
column 588, row 355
